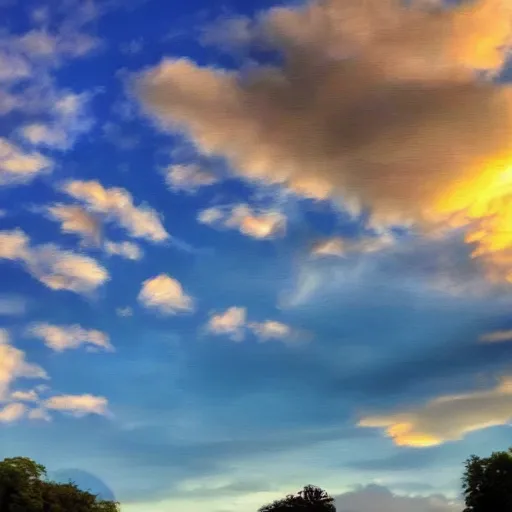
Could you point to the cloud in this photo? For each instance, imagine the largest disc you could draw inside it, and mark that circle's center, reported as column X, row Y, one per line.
column 388, row 104
column 259, row 225
column 77, row 220
column 231, row 322
column 188, row 177
column 65, row 337
column 18, row 167
column 127, row 250
column 13, row 366
column 25, row 396
column 55, row 268
column 339, row 246
column 376, row 498
column 496, row 337
column 270, row 330
column 447, row 418
column 12, row 412
column 124, row 312
column 78, row 405
column 166, row 295
column 12, row 305
column 117, row 205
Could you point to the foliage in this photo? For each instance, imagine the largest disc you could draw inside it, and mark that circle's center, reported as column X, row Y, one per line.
column 310, row 499
column 24, row 488
column 487, row 483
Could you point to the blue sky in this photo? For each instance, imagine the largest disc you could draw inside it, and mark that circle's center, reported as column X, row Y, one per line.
column 247, row 247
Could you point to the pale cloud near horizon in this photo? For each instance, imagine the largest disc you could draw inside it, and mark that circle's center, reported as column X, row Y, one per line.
column 496, row 337
column 256, row 224
column 13, row 365
column 52, row 266
column 117, row 204
column 166, row 295
column 66, row 337
column 447, row 418
column 378, row 102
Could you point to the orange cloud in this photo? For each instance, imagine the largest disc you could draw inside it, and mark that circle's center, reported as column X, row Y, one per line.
column 447, row 418
column 388, row 104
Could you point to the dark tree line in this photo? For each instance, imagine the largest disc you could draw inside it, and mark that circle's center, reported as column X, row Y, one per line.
column 25, row 488
column 486, row 487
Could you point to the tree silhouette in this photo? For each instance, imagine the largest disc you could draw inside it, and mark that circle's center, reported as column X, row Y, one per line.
column 24, row 488
column 309, row 499
column 487, row 483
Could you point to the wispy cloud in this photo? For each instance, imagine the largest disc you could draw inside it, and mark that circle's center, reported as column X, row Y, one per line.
column 496, row 337
column 57, row 269
column 256, row 224
column 165, row 295
column 188, row 177
column 12, row 412
column 12, row 305
column 66, row 337
column 127, row 250
column 77, row 220
column 18, row 166
column 116, row 204
column 447, row 418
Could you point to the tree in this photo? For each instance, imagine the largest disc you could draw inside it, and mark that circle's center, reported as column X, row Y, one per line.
column 309, row 499
column 24, row 488
column 487, row 483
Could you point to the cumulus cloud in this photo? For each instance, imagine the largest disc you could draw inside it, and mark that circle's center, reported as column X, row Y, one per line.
column 259, row 225
column 127, row 250
column 77, row 220
column 496, row 337
column 447, row 418
column 165, row 295
column 66, row 337
column 78, row 405
column 13, row 365
column 12, row 412
column 55, row 268
column 188, row 177
column 388, row 104
column 18, row 166
column 116, row 204
column 375, row 498
column 231, row 322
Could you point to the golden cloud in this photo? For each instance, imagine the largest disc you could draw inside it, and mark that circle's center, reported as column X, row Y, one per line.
column 447, row 418
column 386, row 103
column 166, row 295
column 117, row 204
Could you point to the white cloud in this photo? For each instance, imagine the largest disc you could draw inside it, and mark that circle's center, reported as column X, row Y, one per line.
column 117, row 205
column 65, row 337
column 77, row 220
column 12, row 412
column 271, row 330
column 17, row 166
column 39, row 414
column 375, row 498
column 25, row 396
column 13, row 67
column 13, row 365
column 57, row 269
column 78, row 405
column 188, row 177
column 127, row 250
column 166, row 295
column 124, row 312
column 497, row 337
column 231, row 322
column 447, row 418
column 256, row 224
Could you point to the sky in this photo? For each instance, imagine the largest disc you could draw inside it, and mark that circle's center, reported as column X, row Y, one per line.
column 249, row 246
